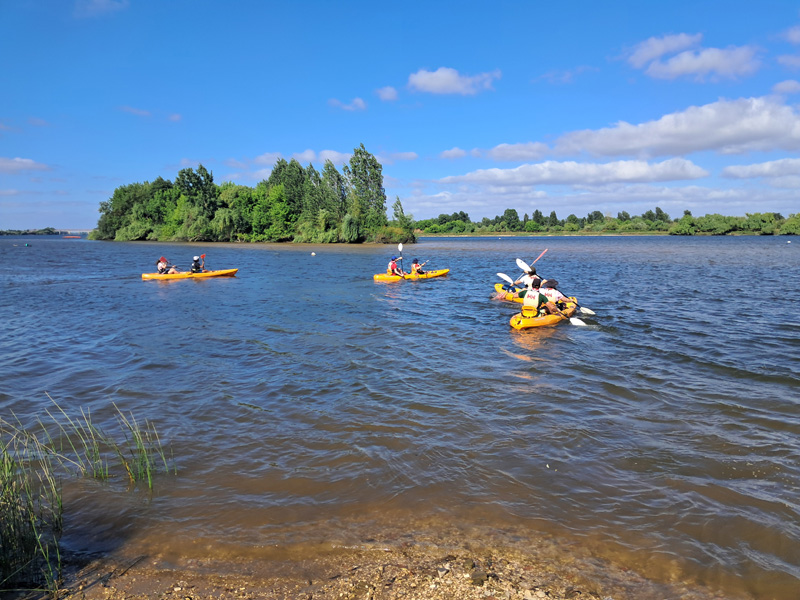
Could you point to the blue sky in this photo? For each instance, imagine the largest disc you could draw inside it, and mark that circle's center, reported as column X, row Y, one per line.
column 475, row 106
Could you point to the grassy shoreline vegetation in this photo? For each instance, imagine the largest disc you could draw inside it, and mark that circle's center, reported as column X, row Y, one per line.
column 32, row 462
column 294, row 204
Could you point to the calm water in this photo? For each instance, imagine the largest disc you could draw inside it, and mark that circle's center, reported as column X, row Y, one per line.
column 308, row 406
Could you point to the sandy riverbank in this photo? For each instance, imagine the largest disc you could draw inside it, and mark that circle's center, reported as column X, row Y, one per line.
column 432, row 567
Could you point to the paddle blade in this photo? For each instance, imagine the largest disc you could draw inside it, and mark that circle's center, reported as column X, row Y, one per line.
column 540, row 256
column 587, row 311
column 523, row 265
column 576, row 321
column 399, row 247
column 505, row 278
column 203, row 256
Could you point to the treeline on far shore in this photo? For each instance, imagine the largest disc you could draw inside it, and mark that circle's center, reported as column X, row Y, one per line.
column 294, row 203
column 45, row 231
column 657, row 221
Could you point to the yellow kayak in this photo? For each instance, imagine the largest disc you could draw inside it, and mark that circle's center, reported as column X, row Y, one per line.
column 190, row 275
column 509, row 296
column 525, row 320
column 425, row 275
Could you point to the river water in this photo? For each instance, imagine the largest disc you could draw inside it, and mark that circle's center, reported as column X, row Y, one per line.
column 307, row 406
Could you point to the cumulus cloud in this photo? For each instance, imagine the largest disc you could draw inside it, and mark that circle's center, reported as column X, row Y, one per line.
column 773, row 168
column 674, row 56
column 726, row 126
column 574, row 173
column 453, row 153
column 97, row 8
column 17, row 165
column 790, row 86
column 517, row 152
column 387, row 93
column 792, row 35
column 268, row 158
column 654, row 48
column 445, row 80
column 729, row 63
column 337, row 158
column 356, row 104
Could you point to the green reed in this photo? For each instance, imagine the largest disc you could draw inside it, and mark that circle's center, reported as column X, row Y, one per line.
column 31, row 506
column 31, row 513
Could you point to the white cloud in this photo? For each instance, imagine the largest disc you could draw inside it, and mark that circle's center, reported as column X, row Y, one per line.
column 791, row 61
column 790, row 86
column 135, row 111
column 356, row 104
column 307, row 156
column 726, row 126
column 774, row 168
column 792, row 35
column 396, row 156
column 517, row 152
column 387, row 93
column 449, row 81
column 96, row 8
column 730, row 63
column 17, row 165
column 453, row 153
column 674, row 56
column 574, row 173
column 175, row 117
column 268, row 158
column 654, row 48
column 337, row 158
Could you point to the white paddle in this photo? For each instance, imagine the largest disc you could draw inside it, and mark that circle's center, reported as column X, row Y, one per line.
column 400, row 250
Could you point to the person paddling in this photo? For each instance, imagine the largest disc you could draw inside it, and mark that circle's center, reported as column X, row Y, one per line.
column 196, row 266
column 416, row 268
column 393, row 269
column 534, row 302
column 163, row 267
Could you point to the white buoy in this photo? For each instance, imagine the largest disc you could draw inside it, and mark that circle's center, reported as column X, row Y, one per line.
column 313, row 254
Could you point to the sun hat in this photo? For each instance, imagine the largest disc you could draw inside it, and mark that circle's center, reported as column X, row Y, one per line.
column 196, row 258
column 394, row 258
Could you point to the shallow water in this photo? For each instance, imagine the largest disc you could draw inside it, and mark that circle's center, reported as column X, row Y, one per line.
column 306, row 404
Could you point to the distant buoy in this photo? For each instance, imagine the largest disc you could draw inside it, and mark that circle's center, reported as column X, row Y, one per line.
column 313, row 254
column 789, row 242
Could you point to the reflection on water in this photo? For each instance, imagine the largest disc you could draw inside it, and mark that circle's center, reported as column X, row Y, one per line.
column 307, row 405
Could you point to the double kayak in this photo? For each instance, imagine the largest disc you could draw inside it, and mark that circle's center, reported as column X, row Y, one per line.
column 425, row 275
column 528, row 318
column 190, row 275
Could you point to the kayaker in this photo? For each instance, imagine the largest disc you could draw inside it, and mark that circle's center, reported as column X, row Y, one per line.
column 196, row 266
column 393, row 269
column 536, row 303
column 549, row 289
column 529, row 278
column 163, row 266
column 416, row 268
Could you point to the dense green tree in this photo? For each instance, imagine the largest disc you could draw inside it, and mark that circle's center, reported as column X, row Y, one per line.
column 511, row 219
column 623, row 216
column 365, row 176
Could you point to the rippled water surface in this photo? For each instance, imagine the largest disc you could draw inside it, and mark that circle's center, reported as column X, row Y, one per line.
column 305, row 403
